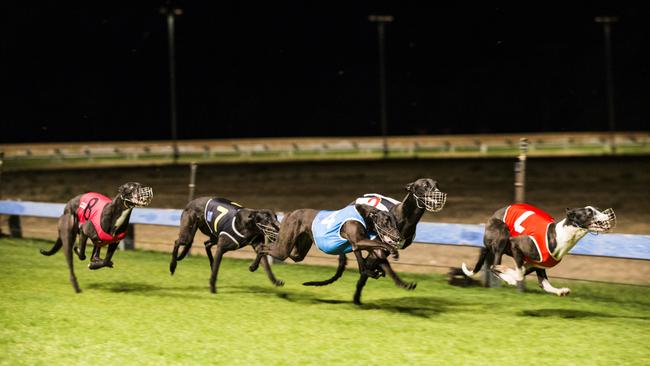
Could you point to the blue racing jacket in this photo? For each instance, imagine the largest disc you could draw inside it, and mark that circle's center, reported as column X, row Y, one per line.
column 326, row 229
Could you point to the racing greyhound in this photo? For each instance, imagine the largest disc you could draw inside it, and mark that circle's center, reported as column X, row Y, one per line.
column 338, row 232
column 94, row 216
column 229, row 226
column 422, row 195
column 535, row 242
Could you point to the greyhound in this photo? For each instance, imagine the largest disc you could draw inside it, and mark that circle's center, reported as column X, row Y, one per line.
column 337, row 232
column 422, row 195
column 94, row 216
column 229, row 226
column 535, row 242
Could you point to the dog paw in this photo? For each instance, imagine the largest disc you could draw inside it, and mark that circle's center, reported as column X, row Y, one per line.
column 564, row 291
column 505, row 273
column 395, row 255
column 410, row 286
column 253, row 268
column 279, row 283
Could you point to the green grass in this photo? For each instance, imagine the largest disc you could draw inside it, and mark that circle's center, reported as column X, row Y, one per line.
column 137, row 314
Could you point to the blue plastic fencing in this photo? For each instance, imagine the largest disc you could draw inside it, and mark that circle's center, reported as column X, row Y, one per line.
column 608, row 245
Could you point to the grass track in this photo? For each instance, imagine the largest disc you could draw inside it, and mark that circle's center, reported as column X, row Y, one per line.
column 137, row 314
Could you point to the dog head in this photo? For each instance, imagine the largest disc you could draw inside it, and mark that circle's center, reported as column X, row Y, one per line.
column 135, row 194
column 383, row 223
column 591, row 218
column 267, row 223
column 427, row 194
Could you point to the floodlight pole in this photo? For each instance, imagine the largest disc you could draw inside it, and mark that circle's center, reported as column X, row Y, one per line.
column 607, row 21
column 381, row 21
column 170, row 12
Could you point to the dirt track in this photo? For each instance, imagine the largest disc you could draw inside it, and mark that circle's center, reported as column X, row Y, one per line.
column 476, row 188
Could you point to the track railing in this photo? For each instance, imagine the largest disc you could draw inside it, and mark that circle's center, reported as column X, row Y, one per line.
column 604, row 245
column 540, row 144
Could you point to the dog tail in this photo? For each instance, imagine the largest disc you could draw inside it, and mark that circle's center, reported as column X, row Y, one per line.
column 339, row 272
column 54, row 249
column 478, row 265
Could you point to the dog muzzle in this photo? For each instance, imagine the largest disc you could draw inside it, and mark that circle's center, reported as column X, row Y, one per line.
column 390, row 236
column 270, row 233
column 140, row 197
column 604, row 221
column 432, row 201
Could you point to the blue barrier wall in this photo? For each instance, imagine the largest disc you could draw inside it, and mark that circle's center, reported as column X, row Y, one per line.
column 610, row 245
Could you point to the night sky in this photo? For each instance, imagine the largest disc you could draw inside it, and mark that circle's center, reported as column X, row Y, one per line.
column 99, row 70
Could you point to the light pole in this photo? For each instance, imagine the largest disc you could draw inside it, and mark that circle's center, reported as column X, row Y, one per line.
column 171, row 12
column 607, row 21
column 381, row 21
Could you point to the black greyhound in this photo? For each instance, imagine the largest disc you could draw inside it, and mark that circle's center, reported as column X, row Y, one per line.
column 95, row 217
column 535, row 242
column 229, row 226
column 337, row 232
column 422, row 195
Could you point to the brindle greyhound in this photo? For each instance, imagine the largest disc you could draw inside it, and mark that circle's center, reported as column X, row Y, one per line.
column 535, row 241
column 422, row 195
column 229, row 226
column 95, row 217
column 350, row 234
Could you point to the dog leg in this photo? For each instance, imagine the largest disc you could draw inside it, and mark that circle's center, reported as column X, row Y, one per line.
column 370, row 245
column 187, row 231
column 83, row 240
column 518, row 257
column 269, row 272
column 360, row 285
column 215, row 269
column 385, row 265
column 546, row 285
column 95, row 258
column 222, row 247
column 208, row 251
column 68, row 237
column 256, row 262
column 97, row 262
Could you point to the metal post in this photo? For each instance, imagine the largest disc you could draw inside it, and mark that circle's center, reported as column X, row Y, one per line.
column 520, row 185
column 170, row 11
column 520, row 172
column 606, row 21
column 381, row 20
column 192, row 184
column 2, row 159
column 15, row 230
column 128, row 243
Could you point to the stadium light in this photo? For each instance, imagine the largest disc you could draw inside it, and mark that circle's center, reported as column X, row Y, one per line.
column 606, row 21
column 171, row 12
column 381, row 20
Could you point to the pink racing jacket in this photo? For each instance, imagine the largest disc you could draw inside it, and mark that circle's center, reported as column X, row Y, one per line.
column 90, row 209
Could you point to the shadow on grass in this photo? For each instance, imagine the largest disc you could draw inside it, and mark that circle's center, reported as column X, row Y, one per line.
column 422, row 307
column 575, row 314
column 146, row 289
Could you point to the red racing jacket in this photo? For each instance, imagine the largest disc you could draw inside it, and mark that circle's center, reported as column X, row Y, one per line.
column 524, row 219
column 90, row 209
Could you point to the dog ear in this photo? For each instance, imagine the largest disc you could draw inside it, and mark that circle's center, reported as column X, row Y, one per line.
column 365, row 210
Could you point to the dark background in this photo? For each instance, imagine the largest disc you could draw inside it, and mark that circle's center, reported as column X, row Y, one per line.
column 99, row 70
